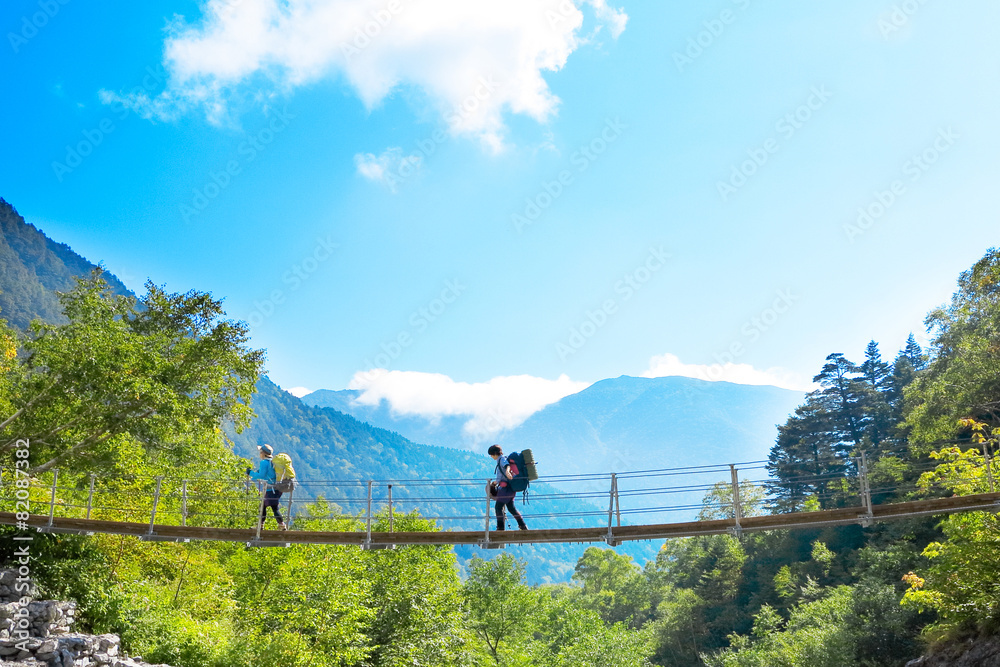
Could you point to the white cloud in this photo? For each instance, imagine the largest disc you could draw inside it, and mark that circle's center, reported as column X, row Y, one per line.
column 388, row 168
column 492, row 407
column 473, row 61
column 299, row 392
column 615, row 18
column 665, row 365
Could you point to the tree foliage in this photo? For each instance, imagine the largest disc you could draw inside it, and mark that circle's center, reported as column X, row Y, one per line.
column 963, row 378
column 162, row 373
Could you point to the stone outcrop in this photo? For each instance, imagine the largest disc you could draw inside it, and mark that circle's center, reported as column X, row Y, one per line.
column 983, row 652
column 44, row 617
column 40, row 632
column 11, row 590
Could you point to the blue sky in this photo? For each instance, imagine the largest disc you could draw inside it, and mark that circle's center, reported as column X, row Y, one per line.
column 507, row 201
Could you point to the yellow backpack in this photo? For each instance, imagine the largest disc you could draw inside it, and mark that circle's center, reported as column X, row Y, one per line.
column 284, row 473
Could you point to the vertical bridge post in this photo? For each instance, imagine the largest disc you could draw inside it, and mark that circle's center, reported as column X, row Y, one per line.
column 989, row 465
column 52, row 499
column 390, row 508
column 184, row 502
column 612, row 501
column 486, row 534
column 260, row 510
column 866, row 491
column 90, row 495
column 156, row 501
column 368, row 534
column 737, row 504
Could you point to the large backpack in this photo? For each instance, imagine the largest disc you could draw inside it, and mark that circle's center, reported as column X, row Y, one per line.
column 522, row 467
column 284, row 473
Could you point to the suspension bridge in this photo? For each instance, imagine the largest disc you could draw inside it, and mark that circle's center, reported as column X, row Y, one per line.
column 378, row 514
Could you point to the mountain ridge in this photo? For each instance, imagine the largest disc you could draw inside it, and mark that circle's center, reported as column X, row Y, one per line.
column 33, row 268
column 620, row 422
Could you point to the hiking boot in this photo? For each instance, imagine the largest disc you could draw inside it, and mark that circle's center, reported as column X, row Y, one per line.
column 522, row 527
column 282, row 526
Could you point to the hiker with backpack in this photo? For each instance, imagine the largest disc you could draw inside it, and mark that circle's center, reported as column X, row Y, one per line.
column 277, row 473
column 504, row 489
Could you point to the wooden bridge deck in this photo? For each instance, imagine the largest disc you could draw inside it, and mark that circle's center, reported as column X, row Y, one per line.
column 613, row 535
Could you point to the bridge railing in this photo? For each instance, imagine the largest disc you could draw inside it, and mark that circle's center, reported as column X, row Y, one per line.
column 733, row 491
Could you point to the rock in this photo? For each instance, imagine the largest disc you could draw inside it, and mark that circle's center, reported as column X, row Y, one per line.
column 9, row 585
column 982, row 652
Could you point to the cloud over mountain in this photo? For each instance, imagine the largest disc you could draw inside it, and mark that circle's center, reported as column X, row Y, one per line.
column 494, row 406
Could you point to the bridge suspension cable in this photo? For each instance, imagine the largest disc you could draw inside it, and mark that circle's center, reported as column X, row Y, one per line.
column 641, row 504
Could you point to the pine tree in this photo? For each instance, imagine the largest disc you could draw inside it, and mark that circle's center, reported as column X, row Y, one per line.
column 842, row 397
column 805, row 457
column 915, row 354
column 875, row 396
column 874, row 369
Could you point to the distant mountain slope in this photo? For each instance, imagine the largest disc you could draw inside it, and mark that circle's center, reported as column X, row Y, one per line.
column 630, row 423
column 444, row 432
column 33, row 268
column 333, row 445
column 619, row 424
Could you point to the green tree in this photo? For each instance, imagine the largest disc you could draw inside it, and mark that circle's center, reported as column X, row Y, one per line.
column 963, row 378
column 914, row 354
column 609, row 646
column 613, row 586
column 416, row 598
column 962, row 583
column 874, row 391
column 805, row 456
column 816, row 635
column 718, row 502
column 841, row 399
column 10, row 370
column 501, row 606
column 164, row 372
column 574, row 636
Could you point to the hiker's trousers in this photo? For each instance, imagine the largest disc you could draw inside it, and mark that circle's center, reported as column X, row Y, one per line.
column 271, row 498
column 507, row 502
